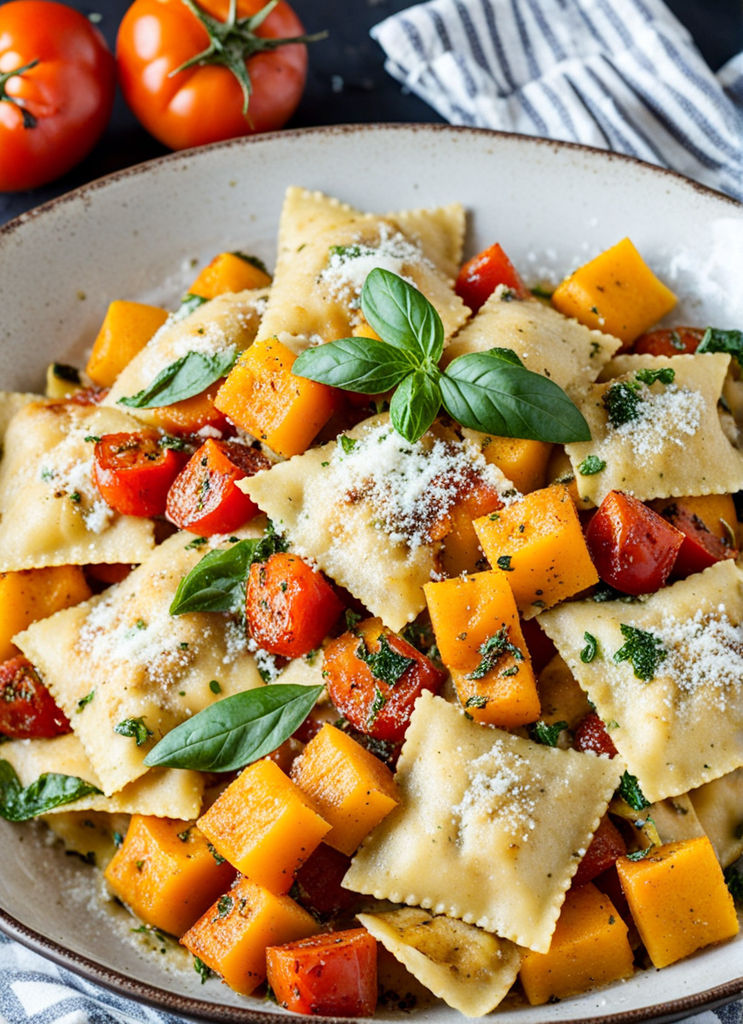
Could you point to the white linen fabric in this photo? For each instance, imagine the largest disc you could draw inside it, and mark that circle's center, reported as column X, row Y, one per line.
column 623, row 75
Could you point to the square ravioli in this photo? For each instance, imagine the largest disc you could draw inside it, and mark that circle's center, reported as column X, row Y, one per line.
column 164, row 792
column 364, row 509
column 50, row 509
column 122, row 656
column 545, row 341
column 490, row 828
column 471, row 970
column 326, row 249
column 658, row 440
column 666, row 678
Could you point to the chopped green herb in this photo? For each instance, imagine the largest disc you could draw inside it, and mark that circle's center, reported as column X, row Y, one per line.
column 622, row 401
column 184, row 835
column 477, row 700
column 644, row 649
column 347, row 443
column 665, row 375
column 117, row 838
column 590, row 651
column 63, row 371
column 224, row 905
column 717, row 340
column 135, row 729
column 386, row 664
column 92, row 438
column 217, row 856
column 631, row 793
column 352, row 619
column 84, row 701
column 492, row 650
column 197, row 542
column 640, row 854
column 376, row 706
column 591, row 465
column 504, row 562
column 202, row 970
column 76, row 497
column 543, row 732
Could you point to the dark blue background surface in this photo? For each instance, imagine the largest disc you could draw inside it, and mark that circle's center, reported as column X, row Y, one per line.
column 347, row 81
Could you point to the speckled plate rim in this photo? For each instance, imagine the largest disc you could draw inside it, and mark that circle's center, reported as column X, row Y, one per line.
column 151, row 994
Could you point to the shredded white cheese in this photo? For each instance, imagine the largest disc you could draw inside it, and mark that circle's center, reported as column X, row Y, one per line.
column 348, row 266
column 670, row 416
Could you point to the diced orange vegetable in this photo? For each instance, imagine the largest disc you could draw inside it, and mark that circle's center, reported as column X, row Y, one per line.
column 191, row 414
column 351, row 788
column 264, row 825
column 523, row 461
column 678, row 899
column 461, row 550
column 262, row 395
column 479, row 637
column 616, row 292
column 589, row 948
column 166, row 872
column 539, row 542
column 332, row 974
column 228, row 272
column 31, row 594
column 126, row 329
column 232, row 936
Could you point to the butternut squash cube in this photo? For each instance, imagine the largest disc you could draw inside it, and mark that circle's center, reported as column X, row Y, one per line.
column 538, row 542
column 31, row 594
column 350, row 787
column 523, row 461
column 232, row 936
column 166, row 872
column 264, row 825
column 616, row 292
column 228, row 272
column 678, row 899
column 589, row 948
column 479, row 637
column 126, row 329
column 262, row 395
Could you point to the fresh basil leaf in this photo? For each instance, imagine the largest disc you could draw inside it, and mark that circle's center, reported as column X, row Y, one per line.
column 237, row 730
column 716, row 339
column 489, row 392
column 415, row 403
column 631, row 793
column 402, row 315
column 186, row 377
column 644, row 649
column 50, row 790
column 355, row 364
column 589, row 652
column 217, row 582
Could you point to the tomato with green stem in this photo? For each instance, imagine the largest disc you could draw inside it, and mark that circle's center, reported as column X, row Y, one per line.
column 57, row 81
column 198, row 73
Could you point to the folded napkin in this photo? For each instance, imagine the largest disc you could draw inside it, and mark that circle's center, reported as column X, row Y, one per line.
column 623, row 75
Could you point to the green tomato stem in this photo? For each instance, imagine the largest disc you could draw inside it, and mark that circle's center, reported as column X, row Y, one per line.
column 29, row 121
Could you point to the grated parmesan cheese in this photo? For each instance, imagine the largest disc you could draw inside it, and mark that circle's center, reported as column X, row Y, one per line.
column 411, row 487
column 70, row 477
column 670, row 416
column 499, row 790
column 347, row 269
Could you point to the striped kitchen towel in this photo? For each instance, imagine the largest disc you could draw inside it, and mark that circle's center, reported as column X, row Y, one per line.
column 623, row 75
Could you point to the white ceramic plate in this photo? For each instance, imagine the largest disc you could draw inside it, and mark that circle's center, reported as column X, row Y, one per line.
column 135, row 235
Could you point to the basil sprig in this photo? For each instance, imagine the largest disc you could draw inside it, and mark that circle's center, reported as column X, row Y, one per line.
column 186, row 377
column 715, row 339
column 490, row 391
column 217, row 582
column 237, row 730
column 50, row 790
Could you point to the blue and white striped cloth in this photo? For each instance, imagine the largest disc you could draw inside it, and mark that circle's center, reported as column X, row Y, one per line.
column 623, row 75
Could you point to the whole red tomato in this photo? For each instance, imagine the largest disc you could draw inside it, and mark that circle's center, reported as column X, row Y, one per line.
column 57, row 81
column 197, row 74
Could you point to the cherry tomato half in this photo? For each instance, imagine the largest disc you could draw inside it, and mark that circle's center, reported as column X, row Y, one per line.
column 632, row 547
column 57, row 81
column 669, row 341
column 480, row 276
column 204, row 498
column 605, row 847
column 27, row 709
column 592, row 734
column 374, row 678
column 290, row 607
column 205, row 102
column 134, row 471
